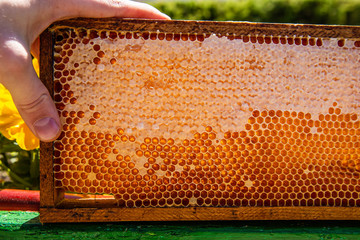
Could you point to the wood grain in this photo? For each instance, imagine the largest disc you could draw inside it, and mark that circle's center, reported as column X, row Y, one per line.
column 222, row 28
column 46, row 149
column 48, row 215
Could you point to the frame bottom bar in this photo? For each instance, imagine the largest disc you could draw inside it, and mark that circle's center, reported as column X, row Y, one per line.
column 54, row 215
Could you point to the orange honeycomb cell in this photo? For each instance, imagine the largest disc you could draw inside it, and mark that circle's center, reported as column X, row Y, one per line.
column 166, row 119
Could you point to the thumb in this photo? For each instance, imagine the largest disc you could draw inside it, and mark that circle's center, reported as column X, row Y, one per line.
column 106, row 8
column 30, row 96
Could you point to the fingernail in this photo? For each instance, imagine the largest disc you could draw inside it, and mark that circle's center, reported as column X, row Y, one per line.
column 169, row 18
column 46, row 128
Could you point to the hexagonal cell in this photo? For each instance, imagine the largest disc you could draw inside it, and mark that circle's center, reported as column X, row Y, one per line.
column 156, row 136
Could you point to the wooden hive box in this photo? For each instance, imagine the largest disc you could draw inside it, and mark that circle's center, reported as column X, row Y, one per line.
column 188, row 120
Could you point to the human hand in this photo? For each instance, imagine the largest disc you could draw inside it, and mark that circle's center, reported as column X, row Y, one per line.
column 21, row 22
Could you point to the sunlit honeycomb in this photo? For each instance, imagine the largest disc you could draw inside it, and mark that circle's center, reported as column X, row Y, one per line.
column 178, row 120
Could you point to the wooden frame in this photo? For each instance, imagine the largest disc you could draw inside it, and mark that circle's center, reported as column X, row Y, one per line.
column 56, row 208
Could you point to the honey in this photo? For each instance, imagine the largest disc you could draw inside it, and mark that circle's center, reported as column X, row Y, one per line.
column 164, row 119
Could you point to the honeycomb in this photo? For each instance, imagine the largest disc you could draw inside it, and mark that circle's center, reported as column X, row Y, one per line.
column 177, row 120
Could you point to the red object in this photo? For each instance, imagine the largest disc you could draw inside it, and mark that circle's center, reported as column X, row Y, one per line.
column 29, row 200
column 21, row 200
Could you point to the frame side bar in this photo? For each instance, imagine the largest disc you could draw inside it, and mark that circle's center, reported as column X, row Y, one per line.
column 47, row 190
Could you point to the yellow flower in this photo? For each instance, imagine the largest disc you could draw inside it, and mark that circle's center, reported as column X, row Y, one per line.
column 35, row 63
column 12, row 126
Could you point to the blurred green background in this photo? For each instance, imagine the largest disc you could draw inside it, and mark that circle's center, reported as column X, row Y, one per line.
column 20, row 169
column 346, row 12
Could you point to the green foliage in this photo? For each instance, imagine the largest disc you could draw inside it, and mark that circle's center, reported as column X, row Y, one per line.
column 22, row 166
column 281, row 11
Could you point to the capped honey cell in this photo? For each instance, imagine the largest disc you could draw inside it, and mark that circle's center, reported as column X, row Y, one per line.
column 167, row 119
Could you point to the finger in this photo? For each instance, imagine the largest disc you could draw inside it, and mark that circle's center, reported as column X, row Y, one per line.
column 30, row 96
column 63, row 9
column 107, row 8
